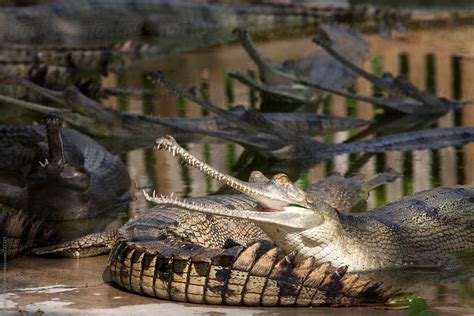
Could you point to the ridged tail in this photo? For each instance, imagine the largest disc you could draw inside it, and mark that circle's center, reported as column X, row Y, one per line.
column 255, row 276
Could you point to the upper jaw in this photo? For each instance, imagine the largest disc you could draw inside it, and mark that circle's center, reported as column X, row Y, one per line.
column 272, row 196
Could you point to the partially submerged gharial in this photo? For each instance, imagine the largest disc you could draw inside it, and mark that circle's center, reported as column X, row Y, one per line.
column 279, row 142
column 279, row 84
column 58, row 173
column 173, row 253
column 282, row 84
column 402, row 95
column 98, row 120
column 273, row 134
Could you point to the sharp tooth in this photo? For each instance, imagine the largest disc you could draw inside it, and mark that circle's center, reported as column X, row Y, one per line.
column 154, row 193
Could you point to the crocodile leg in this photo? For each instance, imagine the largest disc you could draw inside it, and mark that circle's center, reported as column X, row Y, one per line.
column 87, row 246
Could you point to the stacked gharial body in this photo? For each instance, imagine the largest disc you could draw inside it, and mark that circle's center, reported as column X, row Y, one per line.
column 178, row 255
column 254, row 249
column 174, row 254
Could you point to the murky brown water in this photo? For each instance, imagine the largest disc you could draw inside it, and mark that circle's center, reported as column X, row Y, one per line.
column 441, row 60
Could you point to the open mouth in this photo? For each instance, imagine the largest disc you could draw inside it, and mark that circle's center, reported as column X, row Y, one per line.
column 70, row 172
column 273, row 202
column 290, row 216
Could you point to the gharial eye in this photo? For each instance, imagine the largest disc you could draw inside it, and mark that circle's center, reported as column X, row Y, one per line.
column 281, row 178
column 256, row 174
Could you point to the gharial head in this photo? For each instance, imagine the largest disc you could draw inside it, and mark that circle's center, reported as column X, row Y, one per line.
column 289, row 217
column 281, row 202
column 60, row 164
column 281, row 191
column 273, row 194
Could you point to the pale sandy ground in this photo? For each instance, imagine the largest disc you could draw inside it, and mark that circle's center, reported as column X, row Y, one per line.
column 72, row 287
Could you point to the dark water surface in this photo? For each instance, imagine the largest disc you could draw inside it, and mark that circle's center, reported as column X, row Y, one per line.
column 438, row 60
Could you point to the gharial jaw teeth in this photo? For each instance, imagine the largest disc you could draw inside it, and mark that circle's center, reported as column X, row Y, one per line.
column 169, row 144
column 162, row 199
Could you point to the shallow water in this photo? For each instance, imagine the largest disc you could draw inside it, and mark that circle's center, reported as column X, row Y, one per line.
column 441, row 60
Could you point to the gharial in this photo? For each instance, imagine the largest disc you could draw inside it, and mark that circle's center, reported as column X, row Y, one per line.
column 172, row 253
column 77, row 175
column 426, row 229
column 92, row 117
column 276, row 141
